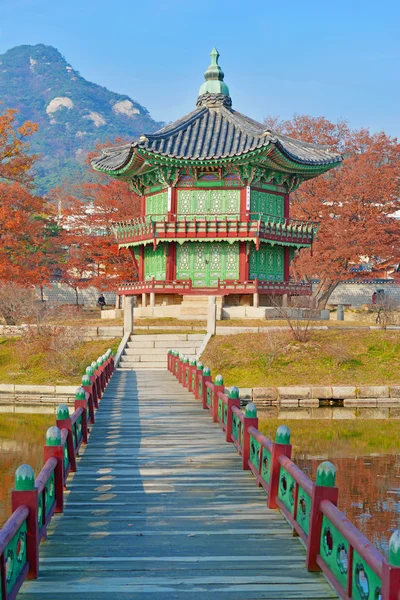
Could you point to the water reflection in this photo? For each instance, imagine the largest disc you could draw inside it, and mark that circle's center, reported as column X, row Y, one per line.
column 369, row 492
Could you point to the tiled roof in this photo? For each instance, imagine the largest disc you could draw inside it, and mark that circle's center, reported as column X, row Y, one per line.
column 215, row 131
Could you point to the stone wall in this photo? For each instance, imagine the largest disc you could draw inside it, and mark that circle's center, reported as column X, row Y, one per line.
column 88, row 333
column 371, row 396
column 38, row 399
column 358, row 294
column 59, row 293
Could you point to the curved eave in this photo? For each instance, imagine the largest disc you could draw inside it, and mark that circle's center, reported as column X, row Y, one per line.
column 271, row 155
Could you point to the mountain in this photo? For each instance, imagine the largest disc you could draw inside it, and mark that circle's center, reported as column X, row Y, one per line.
column 73, row 114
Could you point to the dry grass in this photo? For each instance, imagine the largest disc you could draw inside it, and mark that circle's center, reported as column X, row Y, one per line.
column 332, row 357
column 37, row 368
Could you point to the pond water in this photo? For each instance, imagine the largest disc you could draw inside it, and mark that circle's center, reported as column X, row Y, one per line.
column 369, row 491
column 369, row 486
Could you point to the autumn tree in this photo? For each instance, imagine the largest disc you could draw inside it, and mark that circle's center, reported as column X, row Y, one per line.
column 27, row 227
column 354, row 203
column 87, row 213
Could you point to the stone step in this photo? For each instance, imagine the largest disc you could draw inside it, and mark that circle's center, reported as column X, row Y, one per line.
column 158, row 351
column 141, row 367
column 155, row 337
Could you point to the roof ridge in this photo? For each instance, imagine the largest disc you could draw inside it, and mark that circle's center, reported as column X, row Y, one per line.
column 178, row 125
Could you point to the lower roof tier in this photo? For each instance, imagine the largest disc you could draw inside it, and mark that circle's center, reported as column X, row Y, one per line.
column 223, row 288
column 281, row 231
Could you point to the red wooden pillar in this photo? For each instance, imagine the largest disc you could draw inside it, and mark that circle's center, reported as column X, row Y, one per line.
column 243, row 262
column 141, row 264
column 54, row 449
column 64, row 422
column 143, row 206
column 244, row 210
column 324, row 489
column 286, row 206
column 26, row 494
column 250, row 420
column 281, row 447
column 171, row 262
column 173, row 208
column 286, row 263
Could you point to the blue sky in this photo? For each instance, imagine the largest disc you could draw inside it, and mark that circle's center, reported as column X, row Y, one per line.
column 338, row 59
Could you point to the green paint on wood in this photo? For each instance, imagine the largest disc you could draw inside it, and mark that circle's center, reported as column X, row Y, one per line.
column 394, row 549
column 366, row 583
column 255, row 449
column 263, row 203
column 267, row 263
column 53, row 436
column 303, row 510
column 24, row 478
column 266, row 465
column 206, row 262
column 62, row 412
column 282, row 435
column 15, row 557
column 286, row 489
column 154, row 262
column 326, row 474
column 334, row 550
column 157, row 206
column 208, row 203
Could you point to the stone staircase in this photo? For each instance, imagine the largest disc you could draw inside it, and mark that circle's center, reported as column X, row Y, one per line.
column 150, row 351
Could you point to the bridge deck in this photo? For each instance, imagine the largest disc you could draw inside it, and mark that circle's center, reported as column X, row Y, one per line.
column 160, row 509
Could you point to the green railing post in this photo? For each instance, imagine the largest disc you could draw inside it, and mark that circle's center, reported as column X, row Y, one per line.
column 323, row 489
column 54, row 448
column 198, row 380
column 25, row 494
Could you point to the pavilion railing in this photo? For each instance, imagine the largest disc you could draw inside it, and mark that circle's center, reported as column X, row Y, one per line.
column 36, row 500
column 351, row 564
column 293, row 288
column 258, row 226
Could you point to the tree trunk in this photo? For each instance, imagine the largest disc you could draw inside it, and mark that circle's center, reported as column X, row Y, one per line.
column 323, row 292
column 76, row 296
column 41, row 293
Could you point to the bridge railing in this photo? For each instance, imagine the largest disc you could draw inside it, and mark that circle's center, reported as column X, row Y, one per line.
column 351, row 564
column 35, row 500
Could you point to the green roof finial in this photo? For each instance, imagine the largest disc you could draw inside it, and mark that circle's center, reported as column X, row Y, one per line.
column 214, row 77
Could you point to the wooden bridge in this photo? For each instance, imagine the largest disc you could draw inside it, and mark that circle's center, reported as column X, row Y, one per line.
column 162, row 507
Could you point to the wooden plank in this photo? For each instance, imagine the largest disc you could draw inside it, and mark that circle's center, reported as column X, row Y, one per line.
column 160, row 508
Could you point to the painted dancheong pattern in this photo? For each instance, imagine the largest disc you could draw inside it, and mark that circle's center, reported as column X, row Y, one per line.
column 160, row 508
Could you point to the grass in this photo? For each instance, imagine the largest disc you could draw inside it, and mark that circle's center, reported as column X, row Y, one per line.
column 22, row 438
column 337, row 438
column 37, row 371
column 332, row 357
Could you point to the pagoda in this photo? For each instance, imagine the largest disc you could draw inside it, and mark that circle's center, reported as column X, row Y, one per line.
column 215, row 209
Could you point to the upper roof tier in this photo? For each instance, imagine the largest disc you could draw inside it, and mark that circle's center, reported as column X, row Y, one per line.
column 216, row 132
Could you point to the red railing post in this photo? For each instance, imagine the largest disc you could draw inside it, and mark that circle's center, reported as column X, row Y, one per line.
column 25, row 494
column 391, row 570
column 218, row 388
column 250, row 420
column 192, row 371
column 206, row 376
column 324, row 489
column 54, row 448
column 198, row 379
column 233, row 400
column 81, row 401
column 281, row 447
column 64, row 422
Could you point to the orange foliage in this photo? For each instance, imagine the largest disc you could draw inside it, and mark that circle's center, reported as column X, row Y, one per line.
column 354, row 203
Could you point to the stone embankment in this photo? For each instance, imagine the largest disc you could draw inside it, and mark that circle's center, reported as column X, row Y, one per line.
column 327, row 402
column 39, row 399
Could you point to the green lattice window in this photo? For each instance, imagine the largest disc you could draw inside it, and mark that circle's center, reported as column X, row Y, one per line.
column 206, row 262
column 154, row 262
column 263, row 203
column 267, row 264
column 208, row 203
column 157, row 205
